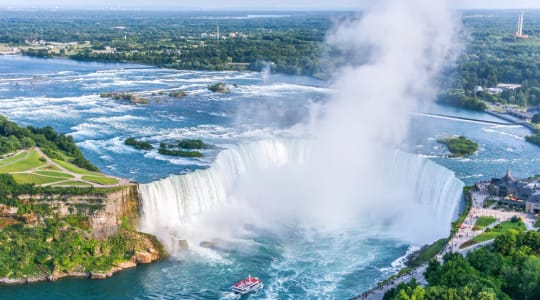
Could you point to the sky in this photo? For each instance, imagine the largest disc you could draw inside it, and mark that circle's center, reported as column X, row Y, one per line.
column 246, row 4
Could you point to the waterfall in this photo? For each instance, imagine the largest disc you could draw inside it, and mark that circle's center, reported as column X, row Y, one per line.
column 173, row 202
column 172, row 205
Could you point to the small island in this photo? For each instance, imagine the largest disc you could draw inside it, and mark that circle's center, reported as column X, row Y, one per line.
column 140, row 145
column 132, row 98
column 177, row 94
column 459, row 146
column 219, row 87
column 184, row 148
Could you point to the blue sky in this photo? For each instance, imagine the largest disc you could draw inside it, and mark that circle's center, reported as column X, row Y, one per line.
column 247, row 4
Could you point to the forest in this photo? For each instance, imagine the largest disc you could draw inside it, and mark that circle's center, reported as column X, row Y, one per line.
column 291, row 43
column 508, row 269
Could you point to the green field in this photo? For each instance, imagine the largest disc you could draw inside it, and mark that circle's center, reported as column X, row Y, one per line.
column 489, row 202
column 73, row 183
column 484, row 221
column 72, row 168
column 426, row 254
column 496, row 231
column 10, row 159
column 50, row 168
column 31, row 161
column 100, row 180
column 54, row 174
column 35, row 179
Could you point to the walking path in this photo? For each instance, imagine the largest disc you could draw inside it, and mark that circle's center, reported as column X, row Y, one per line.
column 378, row 292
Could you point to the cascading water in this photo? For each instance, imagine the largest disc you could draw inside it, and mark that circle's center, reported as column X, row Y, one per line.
column 173, row 206
column 174, row 202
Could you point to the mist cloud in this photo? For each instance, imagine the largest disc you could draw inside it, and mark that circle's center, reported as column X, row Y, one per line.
column 395, row 52
column 348, row 171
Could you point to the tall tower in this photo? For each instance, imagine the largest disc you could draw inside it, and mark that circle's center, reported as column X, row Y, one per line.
column 519, row 32
column 520, row 25
column 217, row 31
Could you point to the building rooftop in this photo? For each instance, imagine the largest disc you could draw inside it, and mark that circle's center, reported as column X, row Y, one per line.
column 508, row 178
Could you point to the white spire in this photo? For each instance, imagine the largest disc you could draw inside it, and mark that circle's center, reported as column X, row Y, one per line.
column 520, row 25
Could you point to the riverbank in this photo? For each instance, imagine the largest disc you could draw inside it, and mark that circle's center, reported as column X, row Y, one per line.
column 510, row 119
column 459, row 241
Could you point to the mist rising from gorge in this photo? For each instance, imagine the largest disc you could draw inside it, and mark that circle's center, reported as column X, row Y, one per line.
column 395, row 51
column 348, row 170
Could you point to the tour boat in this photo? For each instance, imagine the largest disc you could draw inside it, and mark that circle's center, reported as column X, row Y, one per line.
column 248, row 285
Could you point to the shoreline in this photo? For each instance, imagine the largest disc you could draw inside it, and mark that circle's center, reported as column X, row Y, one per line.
column 126, row 265
column 147, row 66
column 503, row 116
column 138, row 259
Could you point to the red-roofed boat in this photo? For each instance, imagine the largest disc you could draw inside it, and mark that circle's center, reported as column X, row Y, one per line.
column 248, row 285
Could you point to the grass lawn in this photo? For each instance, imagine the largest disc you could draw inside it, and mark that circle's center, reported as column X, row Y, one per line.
column 73, row 183
column 73, row 168
column 537, row 223
column 100, row 180
column 54, row 174
column 486, row 236
column 508, row 225
column 30, row 162
column 50, row 168
column 35, row 179
column 10, row 159
column 427, row 253
column 489, row 202
column 484, row 221
column 496, row 231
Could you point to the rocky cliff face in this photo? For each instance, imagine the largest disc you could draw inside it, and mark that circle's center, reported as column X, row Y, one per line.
column 120, row 206
column 106, row 213
column 103, row 220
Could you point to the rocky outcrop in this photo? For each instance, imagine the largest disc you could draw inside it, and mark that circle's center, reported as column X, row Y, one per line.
column 105, row 212
column 219, row 88
column 104, row 215
column 119, row 206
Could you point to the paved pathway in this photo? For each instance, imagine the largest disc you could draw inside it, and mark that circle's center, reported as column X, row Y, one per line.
column 378, row 293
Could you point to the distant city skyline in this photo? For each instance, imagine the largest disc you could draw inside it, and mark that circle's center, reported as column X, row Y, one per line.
column 246, row 4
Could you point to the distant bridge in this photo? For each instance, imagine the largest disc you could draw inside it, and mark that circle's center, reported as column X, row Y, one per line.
column 461, row 118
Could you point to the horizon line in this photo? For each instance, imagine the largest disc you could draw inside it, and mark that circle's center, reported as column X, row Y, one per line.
column 224, row 9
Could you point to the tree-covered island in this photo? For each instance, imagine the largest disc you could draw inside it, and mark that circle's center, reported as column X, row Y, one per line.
column 182, row 148
column 459, row 146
